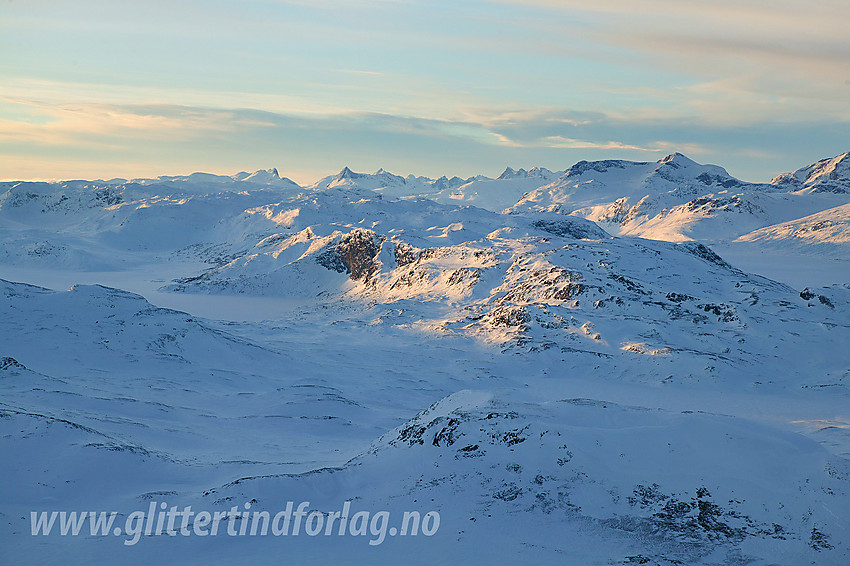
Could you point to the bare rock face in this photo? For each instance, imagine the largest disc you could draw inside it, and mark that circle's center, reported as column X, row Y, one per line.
column 11, row 364
column 704, row 252
column 405, row 254
column 357, row 251
column 570, row 227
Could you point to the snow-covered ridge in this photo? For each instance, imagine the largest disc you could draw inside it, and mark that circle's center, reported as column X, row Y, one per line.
column 827, row 175
column 677, row 199
column 827, row 231
column 585, row 472
column 673, row 199
column 556, row 392
column 263, row 177
column 533, row 283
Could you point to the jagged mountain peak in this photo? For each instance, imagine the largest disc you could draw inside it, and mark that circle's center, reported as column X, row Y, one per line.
column 263, row 176
column 664, row 200
column 510, row 173
column 201, row 181
column 381, row 175
column 380, row 180
column 539, row 171
column 677, row 158
column 347, row 173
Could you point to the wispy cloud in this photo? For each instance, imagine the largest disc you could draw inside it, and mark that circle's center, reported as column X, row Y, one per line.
column 790, row 49
column 359, row 72
column 162, row 138
column 427, row 87
column 654, row 147
column 98, row 124
column 826, row 18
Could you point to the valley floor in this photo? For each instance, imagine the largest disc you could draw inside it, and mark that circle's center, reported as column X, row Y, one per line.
column 326, row 392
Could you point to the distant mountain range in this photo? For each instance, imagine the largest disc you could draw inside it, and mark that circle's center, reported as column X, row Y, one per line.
column 674, row 199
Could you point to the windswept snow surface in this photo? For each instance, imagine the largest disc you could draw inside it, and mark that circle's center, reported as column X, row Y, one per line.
column 559, row 391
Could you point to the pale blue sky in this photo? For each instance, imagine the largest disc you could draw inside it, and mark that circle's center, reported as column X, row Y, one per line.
column 111, row 88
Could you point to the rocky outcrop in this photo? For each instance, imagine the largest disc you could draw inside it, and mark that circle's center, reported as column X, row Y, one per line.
column 354, row 253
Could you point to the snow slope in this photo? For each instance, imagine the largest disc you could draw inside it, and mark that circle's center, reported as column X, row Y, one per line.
column 677, row 199
column 827, row 175
column 557, row 394
column 827, row 231
column 560, row 283
column 87, row 225
column 144, row 404
column 492, row 194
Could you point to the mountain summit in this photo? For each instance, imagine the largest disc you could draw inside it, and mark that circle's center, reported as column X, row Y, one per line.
column 827, row 175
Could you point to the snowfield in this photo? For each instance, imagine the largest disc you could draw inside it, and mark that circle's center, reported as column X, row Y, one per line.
column 617, row 363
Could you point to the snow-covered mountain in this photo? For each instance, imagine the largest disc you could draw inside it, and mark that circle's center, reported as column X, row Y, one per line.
column 484, row 192
column 86, row 224
column 673, row 199
column 827, row 232
column 557, row 390
column 559, row 478
column 548, row 282
column 585, row 184
column 500, row 193
column 827, row 175
column 677, row 199
column 202, row 181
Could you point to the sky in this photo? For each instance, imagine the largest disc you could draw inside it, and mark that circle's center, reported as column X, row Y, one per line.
column 109, row 88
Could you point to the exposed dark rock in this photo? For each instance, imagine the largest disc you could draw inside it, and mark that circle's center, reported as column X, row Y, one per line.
column 725, row 182
column 9, row 363
column 465, row 276
column 355, row 254
column 819, row 540
column 358, row 249
column 330, row 259
column 405, row 253
column 724, row 313
column 572, row 228
column 707, row 205
column 448, row 434
column 509, row 315
column 627, row 283
column 704, row 252
column 599, row 166
column 508, row 493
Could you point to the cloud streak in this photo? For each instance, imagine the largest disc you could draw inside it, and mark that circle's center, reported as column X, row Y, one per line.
column 790, row 48
column 163, row 138
column 428, row 87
